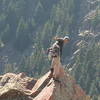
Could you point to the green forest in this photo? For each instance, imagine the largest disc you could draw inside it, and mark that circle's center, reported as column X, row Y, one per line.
column 27, row 28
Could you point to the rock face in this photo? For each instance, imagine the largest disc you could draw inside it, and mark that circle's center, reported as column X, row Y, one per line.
column 21, row 87
column 14, row 85
column 54, row 85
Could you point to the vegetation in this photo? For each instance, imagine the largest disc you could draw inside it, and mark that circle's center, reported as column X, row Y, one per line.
column 30, row 26
column 87, row 65
column 26, row 31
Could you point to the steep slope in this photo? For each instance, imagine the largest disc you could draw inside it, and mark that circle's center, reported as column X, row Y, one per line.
column 86, row 63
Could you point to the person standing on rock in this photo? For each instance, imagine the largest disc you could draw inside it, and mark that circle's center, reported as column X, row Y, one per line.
column 55, row 54
column 56, row 48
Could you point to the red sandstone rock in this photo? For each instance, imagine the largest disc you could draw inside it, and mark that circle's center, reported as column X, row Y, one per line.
column 21, row 87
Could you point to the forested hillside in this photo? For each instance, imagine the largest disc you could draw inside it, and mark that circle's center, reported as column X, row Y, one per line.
column 28, row 26
column 27, row 29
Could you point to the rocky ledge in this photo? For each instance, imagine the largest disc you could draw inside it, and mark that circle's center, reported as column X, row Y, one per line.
column 21, row 87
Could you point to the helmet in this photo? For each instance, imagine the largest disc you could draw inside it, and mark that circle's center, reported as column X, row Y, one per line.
column 66, row 37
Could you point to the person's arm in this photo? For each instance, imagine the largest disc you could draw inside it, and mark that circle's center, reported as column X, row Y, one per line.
column 48, row 49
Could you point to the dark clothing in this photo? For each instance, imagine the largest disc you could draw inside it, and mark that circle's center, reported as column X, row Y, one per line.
column 60, row 43
column 56, row 48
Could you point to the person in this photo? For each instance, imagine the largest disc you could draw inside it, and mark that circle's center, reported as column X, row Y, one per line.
column 56, row 48
column 56, row 51
column 61, row 41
